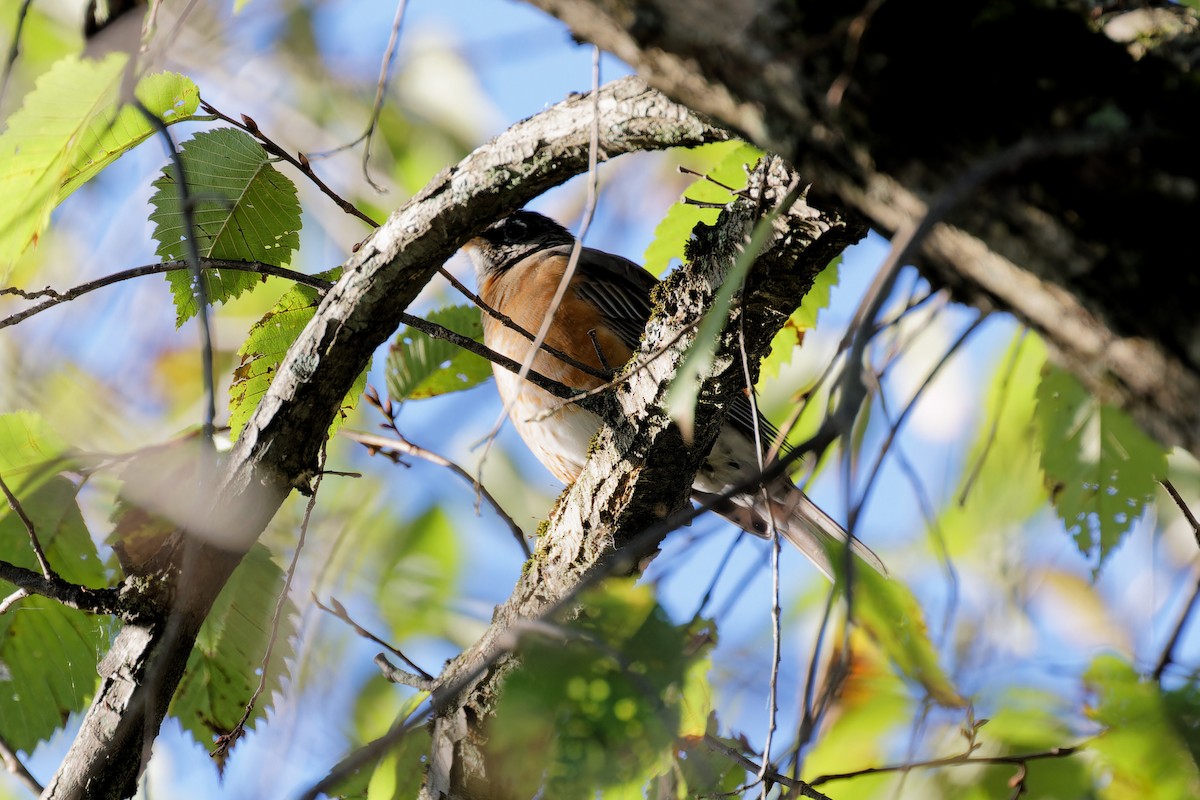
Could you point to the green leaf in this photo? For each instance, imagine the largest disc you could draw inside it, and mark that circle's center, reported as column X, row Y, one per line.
column 48, row 653
column 244, row 210
column 30, row 453
column 1100, row 468
column 265, row 347
column 725, row 163
column 398, row 776
column 66, row 131
column 224, row 667
column 417, row 570
column 889, row 612
column 597, row 705
column 1139, row 751
column 791, row 335
column 420, row 366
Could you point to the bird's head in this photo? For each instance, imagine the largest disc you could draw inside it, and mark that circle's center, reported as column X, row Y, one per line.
column 513, row 238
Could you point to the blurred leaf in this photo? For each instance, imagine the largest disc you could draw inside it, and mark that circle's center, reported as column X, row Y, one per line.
column 872, row 701
column 265, row 347
column 30, row 453
column 244, row 210
column 1000, row 488
column 48, row 652
column 600, row 702
column 1139, row 751
column 224, row 668
column 67, row 130
column 725, row 163
column 1100, row 468
column 420, row 366
column 889, row 612
column 804, row 319
column 399, row 775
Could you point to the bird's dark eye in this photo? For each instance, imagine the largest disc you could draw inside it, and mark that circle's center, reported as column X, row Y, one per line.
column 514, row 230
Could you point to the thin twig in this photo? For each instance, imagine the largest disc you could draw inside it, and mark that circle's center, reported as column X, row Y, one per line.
column 55, row 297
column 13, row 599
column 199, row 285
column 1168, row 651
column 507, row 322
column 805, row 789
column 385, row 71
column 1183, row 508
column 299, row 161
column 397, row 443
column 47, row 571
column 14, row 49
column 226, row 741
column 338, row 610
column 17, row 768
column 560, row 291
column 952, row 761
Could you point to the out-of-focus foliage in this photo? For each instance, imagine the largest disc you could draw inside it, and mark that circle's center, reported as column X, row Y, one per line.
column 69, row 128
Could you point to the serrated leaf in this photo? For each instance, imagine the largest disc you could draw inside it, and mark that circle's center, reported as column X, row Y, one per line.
column 48, row 653
column 598, row 705
column 1139, row 752
column 890, row 614
column 243, row 210
column 67, row 130
column 803, row 319
column 420, row 366
column 725, row 163
column 223, row 670
column 265, row 347
column 1100, row 468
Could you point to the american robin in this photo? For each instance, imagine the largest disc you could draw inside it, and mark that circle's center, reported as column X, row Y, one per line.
column 519, row 262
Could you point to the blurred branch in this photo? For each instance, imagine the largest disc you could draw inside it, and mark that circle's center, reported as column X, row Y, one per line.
column 14, row 49
column 16, row 767
column 768, row 775
column 338, row 610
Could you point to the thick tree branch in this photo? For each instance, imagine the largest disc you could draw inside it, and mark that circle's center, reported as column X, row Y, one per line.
column 883, row 111
column 278, row 448
column 640, row 471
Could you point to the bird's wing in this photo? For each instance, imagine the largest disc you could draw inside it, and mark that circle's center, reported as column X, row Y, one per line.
column 621, row 290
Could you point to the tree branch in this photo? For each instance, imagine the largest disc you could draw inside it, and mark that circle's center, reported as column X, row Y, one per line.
column 278, row 447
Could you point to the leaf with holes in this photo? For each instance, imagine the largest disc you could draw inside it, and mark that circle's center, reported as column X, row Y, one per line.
column 420, row 366
column 224, row 668
column 265, row 347
column 48, row 652
column 1100, row 468
column 67, row 130
column 243, row 210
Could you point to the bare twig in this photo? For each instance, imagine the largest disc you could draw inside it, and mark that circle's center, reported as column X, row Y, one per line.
column 17, row 768
column 199, row 286
column 952, row 761
column 14, row 50
column 299, row 161
column 805, row 789
column 47, row 571
column 385, row 71
column 56, row 297
column 12, row 600
column 1183, row 508
column 226, row 741
column 402, row 676
column 93, row 601
column 1168, row 651
column 397, row 443
column 338, row 610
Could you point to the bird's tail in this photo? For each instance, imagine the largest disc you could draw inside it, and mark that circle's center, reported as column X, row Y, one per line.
column 802, row 522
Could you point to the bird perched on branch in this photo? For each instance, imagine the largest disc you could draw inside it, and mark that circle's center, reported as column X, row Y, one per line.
column 519, row 262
